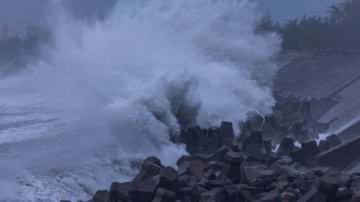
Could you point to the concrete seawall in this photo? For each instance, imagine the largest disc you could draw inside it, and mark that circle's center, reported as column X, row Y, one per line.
column 339, row 157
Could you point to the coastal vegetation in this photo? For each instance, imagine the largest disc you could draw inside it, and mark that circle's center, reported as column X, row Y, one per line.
column 339, row 30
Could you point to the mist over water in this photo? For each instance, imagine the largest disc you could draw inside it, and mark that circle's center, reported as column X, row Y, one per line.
column 115, row 92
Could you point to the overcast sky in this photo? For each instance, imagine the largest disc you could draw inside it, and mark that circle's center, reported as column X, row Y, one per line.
column 18, row 14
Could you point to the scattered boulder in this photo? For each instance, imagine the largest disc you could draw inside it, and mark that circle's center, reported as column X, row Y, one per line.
column 286, row 146
column 213, row 130
column 163, row 195
column 214, row 195
column 119, row 191
column 144, row 190
column 226, row 129
column 150, row 167
column 222, row 168
column 253, row 146
column 101, row 196
column 271, row 119
column 231, row 168
column 334, row 140
column 327, row 184
column 191, row 167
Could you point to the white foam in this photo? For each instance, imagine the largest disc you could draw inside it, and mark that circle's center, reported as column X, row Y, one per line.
column 124, row 87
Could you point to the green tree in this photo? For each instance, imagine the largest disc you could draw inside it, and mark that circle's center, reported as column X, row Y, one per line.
column 337, row 13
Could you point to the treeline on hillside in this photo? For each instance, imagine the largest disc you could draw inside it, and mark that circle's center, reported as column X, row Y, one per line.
column 339, row 30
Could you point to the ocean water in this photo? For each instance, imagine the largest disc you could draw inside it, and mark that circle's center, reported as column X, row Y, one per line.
column 107, row 95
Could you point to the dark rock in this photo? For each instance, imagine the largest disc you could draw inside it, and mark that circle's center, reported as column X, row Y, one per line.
column 276, row 140
column 209, row 150
column 255, row 138
column 253, row 146
column 302, row 112
column 355, row 186
column 163, row 195
column 287, row 159
column 214, row 166
column 213, row 130
column 196, row 193
column 302, row 185
column 197, row 133
column 324, row 145
column 270, row 158
column 212, row 176
column 255, row 119
column 327, row 184
column 289, row 169
column 119, row 191
column 168, row 178
column 267, row 131
column 144, row 190
column 186, row 199
column 355, row 198
column 215, row 140
column 310, row 148
column 267, row 174
column 205, row 158
column 267, row 145
column 271, row 119
column 334, row 140
column 222, row 151
column 191, row 167
column 205, row 132
column 253, row 172
column 316, row 196
column 186, row 138
column 186, row 181
column 101, row 196
column 277, row 166
column 283, row 184
column 233, row 158
column 246, row 129
column 314, row 172
column 344, row 194
column 295, row 165
column 185, row 191
column 296, row 129
column 244, row 195
column 231, row 168
column 299, row 156
column 271, row 198
column 183, row 159
column 342, row 178
column 229, row 188
column 214, row 195
column 226, row 129
column 286, row 146
column 150, row 167
column 228, row 141
column 236, row 147
column 192, row 149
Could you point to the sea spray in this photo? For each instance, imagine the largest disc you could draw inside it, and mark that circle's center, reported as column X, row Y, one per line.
column 131, row 83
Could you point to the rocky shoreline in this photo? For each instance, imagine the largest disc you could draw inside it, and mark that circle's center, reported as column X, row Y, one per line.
column 262, row 164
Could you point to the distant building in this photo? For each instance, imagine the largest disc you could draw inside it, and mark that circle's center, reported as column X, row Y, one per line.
column 39, row 31
column 5, row 33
